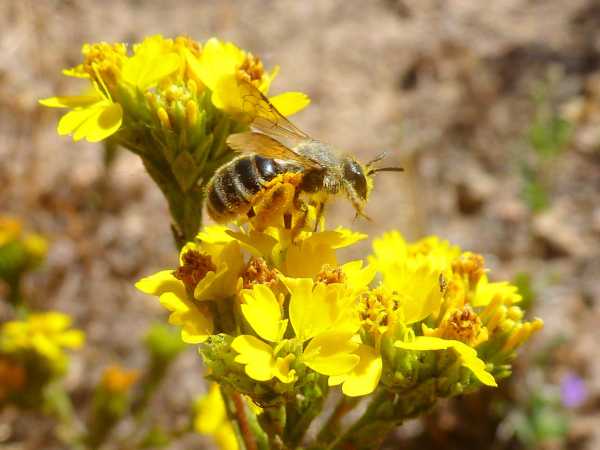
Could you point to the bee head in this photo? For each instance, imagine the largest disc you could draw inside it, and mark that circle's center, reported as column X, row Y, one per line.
column 356, row 181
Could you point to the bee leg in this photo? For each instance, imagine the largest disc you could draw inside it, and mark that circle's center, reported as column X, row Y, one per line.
column 287, row 220
column 319, row 215
column 300, row 206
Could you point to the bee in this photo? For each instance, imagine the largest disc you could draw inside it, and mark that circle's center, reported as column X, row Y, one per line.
column 275, row 149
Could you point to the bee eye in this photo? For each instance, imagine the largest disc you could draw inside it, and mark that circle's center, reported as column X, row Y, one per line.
column 354, row 174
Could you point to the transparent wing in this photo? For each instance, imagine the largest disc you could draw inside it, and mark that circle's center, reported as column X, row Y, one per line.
column 261, row 144
column 267, row 119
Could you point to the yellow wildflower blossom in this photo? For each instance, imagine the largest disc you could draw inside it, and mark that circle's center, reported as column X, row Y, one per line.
column 301, row 256
column 413, row 276
column 152, row 61
column 318, row 315
column 93, row 116
column 47, row 334
column 222, row 64
column 196, row 320
column 207, row 273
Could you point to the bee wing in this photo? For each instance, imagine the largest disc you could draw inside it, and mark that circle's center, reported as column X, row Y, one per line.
column 267, row 119
column 261, row 144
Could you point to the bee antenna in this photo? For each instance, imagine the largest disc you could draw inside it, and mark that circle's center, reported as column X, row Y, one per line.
column 378, row 158
column 385, row 169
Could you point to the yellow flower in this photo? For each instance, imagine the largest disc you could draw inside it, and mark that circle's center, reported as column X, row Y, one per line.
column 195, row 319
column 211, row 419
column 208, row 272
column 302, row 256
column 364, row 377
column 93, row 116
column 221, row 65
column 153, row 60
column 319, row 317
column 467, row 355
column 47, row 334
column 413, row 276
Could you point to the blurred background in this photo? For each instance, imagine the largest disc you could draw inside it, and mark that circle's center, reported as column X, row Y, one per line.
column 493, row 108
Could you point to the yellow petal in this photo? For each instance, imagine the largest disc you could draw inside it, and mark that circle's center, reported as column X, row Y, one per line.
column 467, row 354
column 72, row 339
column 92, row 123
column 225, row 437
column 259, row 244
column 263, row 312
column 217, row 60
column 359, row 278
column 331, row 353
column 175, row 301
column 316, row 308
column 290, row 103
column 196, row 324
column 72, row 101
column 214, row 234
column 76, row 72
column 210, row 411
column 152, row 61
column 160, row 282
column 364, row 378
column 282, row 370
column 223, row 283
column 256, row 355
column 346, row 237
column 147, row 69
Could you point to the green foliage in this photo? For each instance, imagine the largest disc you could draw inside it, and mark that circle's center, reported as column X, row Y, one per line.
column 549, row 134
column 523, row 282
column 542, row 420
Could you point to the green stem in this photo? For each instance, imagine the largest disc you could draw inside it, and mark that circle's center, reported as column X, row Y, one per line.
column 300, row 415
column 15, row 296
column 60, row 406
column 385, row 412
column 185, row 206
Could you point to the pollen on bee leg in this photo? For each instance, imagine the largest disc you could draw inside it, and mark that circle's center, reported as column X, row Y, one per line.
column 271, row 206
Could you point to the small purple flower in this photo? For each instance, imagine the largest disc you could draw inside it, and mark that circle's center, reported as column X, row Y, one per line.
column 572, row 390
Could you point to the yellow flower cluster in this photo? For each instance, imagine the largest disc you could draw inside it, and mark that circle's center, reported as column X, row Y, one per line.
column 173, row 102
column 161, row 82
column 45, row 336
column 285, row 308
column 33, row 353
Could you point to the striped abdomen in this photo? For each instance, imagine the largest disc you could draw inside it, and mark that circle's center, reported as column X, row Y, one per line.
column 233, row 186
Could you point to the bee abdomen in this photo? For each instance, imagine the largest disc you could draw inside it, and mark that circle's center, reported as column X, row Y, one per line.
column 234, row 185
